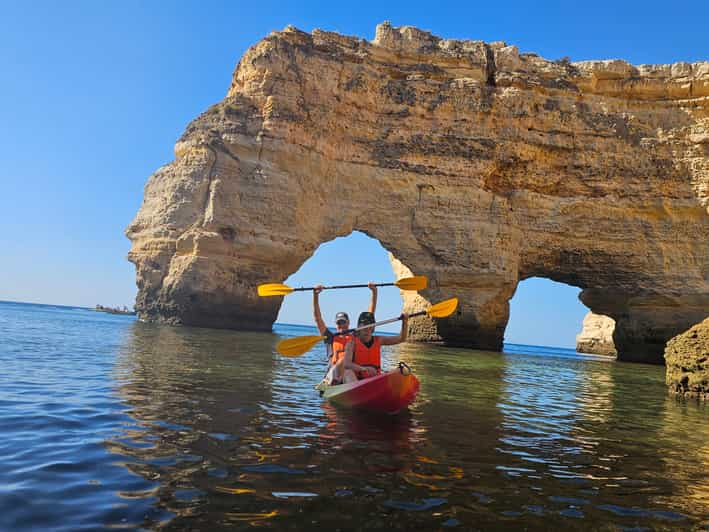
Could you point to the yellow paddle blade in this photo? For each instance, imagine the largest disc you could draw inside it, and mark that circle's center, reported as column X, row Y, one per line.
column 412, row 283
column 444, row 308
column 294, row 347
column 250, row 516
column 274, row 289
column 234, row 491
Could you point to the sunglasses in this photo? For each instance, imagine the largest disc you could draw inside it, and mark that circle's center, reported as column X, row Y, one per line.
column 341, row 321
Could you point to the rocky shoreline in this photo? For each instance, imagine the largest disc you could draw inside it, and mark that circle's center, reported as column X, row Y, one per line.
column 687, row 360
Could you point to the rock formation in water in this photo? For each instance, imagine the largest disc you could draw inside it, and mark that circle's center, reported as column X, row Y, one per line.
column 596, row 336
column 687, row 360
column 472, row 163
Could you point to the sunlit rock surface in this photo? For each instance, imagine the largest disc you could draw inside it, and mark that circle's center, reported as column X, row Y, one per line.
column 596, row 335
column 472, row 163
column 687, row 359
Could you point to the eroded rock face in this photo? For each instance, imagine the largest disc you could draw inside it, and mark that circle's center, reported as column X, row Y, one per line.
column 687, row 359
column 596, row 336
column 472, row 163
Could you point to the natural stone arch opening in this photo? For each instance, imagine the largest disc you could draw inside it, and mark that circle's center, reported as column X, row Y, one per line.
column 619, row 315
column 352, row 259
column 474, row 164
column 545, row 313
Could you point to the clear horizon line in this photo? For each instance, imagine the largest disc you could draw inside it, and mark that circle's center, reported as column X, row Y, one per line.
column 274, row 323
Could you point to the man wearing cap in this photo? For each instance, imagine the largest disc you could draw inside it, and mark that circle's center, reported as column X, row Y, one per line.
column 342, row 322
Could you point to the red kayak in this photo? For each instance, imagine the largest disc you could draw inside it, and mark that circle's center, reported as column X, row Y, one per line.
column 389, row 392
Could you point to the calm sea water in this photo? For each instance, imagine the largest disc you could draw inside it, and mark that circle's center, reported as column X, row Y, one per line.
column 112, row 423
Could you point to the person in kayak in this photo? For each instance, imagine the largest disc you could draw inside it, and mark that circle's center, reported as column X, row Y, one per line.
column 363, row 353
column 342, row 323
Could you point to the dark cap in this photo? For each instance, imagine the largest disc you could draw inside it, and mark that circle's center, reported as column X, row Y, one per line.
column 365, row 318
column 341, row 316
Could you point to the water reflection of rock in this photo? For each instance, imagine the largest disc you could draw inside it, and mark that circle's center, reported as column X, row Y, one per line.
column 224, row 433
column 548, row 446
column 650, row 463
column 452, row 463
column 598, row 441
column 544, row 401
column 685, row 436
column 197, row 399
column 229, row 434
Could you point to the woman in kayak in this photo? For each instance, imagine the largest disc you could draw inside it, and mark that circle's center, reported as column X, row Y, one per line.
column 363, row 353
column 342, row 323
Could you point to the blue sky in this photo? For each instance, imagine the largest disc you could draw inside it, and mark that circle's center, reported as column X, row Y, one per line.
column 93, row 96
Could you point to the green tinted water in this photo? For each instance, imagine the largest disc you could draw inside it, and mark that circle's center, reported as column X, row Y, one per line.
column 114, row 423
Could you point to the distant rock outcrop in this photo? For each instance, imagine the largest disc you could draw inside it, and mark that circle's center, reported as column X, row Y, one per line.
column 472, row 163
column 596, row 337
column 687, row 360
column 115, row 310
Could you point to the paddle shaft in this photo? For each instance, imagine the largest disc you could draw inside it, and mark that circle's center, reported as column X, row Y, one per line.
column 298, row 346
column 303, row 289
column 384, row 322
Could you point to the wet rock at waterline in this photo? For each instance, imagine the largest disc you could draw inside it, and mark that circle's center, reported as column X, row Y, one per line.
column 472, row 163
column 687, row 360
column 596, row 336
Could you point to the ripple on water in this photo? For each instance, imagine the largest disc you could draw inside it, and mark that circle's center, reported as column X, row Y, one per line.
column 536, row 510
column 572, row 512
column 411, row 506
column 272, row 468
column 665, row 515
column 127, row 425
column 293, row 494
column 569, row 500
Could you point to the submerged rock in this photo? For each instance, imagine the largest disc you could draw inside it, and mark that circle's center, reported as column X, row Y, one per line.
column 687, row 360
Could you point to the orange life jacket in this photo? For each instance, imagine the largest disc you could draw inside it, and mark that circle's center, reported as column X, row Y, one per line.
column 339, row 343
column 368, row 356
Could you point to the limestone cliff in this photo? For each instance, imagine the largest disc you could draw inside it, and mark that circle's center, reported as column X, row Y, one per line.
column 687, row 359
column 472, row 163
column 596, row 336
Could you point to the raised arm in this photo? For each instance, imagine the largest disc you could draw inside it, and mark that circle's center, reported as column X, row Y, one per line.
column 316, row 309
column 401, row 337
column 373, row 301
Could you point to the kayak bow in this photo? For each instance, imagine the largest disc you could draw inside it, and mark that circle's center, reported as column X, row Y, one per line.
column 388, row 392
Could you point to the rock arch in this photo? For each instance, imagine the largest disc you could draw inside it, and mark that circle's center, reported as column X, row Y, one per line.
column 472, row 163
